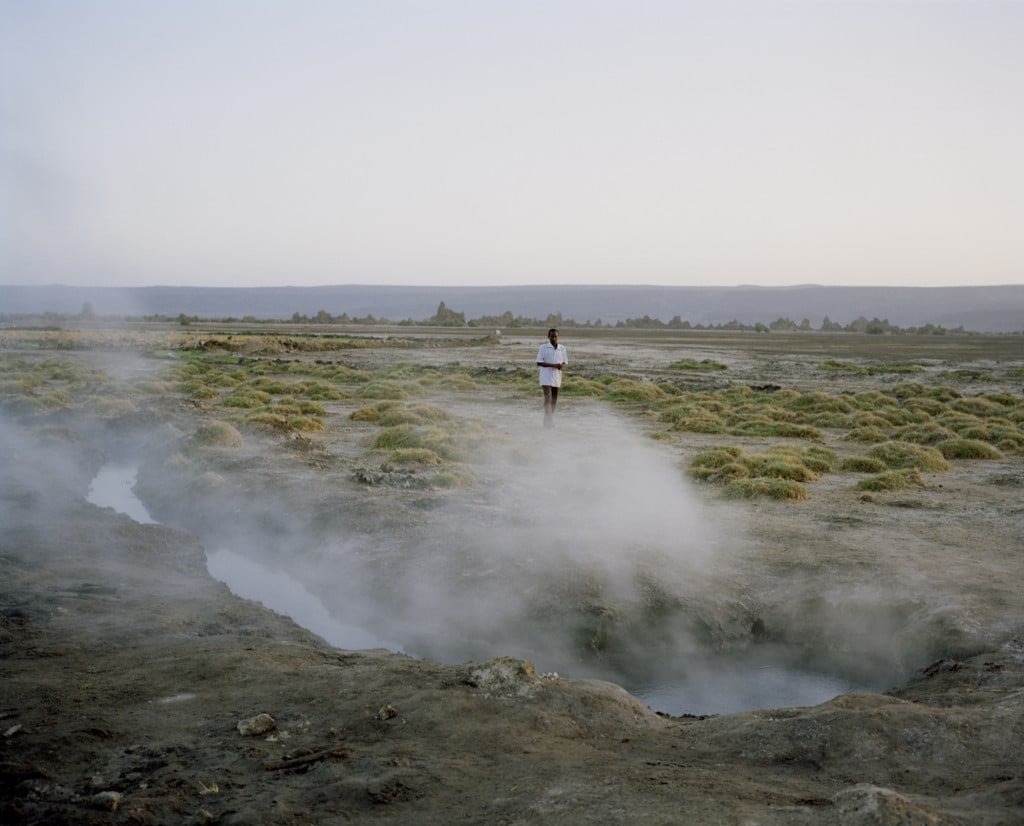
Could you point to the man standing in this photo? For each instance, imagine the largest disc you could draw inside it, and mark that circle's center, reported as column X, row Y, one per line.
column 551, row 358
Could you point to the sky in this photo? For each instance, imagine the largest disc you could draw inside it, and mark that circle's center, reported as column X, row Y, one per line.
column 504, row 142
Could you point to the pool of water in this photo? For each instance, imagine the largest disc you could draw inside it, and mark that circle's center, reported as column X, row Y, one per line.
column 113, row 487
column 737, row 685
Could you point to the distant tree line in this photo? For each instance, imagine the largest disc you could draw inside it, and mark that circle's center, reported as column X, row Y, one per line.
column 447, row 317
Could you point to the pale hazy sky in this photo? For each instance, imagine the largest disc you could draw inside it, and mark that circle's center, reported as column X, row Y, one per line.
column 251, row 143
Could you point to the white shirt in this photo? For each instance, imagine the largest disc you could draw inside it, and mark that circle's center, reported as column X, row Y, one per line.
column 551, row 355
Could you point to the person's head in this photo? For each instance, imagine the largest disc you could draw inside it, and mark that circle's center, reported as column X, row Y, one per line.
column 553, row 335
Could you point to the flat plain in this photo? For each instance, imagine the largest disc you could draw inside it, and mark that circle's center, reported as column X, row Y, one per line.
column 846, row 506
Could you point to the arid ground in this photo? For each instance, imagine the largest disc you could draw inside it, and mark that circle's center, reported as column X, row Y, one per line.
column 715, row 514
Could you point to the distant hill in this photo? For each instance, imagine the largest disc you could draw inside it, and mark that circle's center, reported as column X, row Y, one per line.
column 981, row 309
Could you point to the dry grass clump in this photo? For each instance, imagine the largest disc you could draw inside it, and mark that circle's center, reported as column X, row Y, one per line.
column 862, row 464
column 761, row 426
column 418, row 456
column 705, row 463
column 318, row 391
column 454, row 476
column 628, row 390
column 979, row 406
column 818, row 459
column 579, row 386
column 869, row 419
column 908, row 455
column 929, row 433
column 942, row 393
column 833, row 366
column 198, row 390
column 457, row 383
column 968, row 449
column 892, row 480
column 246, row 398
column 1001, row 432
column 882, row 369
column 274, row 387
column 1007, row 400
column 218, row 434
column 382, row 390
column 287, row 422
column 779, row 467
column 782, row 489
column 289, row 406
column 419, row 414
column 408, row 436
column 393, row 413
column 373, row 412
column 924, row 406
column 821, row 403
column 692, row 419
column 151, row 387
column 112, row 407
column 703, row 365
column 873, row 400
column 776, row 473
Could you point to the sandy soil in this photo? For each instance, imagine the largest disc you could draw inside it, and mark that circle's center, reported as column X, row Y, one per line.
column 133, row 682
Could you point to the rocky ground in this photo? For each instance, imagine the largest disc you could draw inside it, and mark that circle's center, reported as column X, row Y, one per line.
column 138, row 689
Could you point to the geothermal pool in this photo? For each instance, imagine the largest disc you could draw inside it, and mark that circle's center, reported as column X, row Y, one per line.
column 720, row 685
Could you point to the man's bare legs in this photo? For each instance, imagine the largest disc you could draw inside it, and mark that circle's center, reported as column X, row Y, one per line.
column 550, row 399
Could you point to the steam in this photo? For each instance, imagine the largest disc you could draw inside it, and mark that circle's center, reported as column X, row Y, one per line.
column 568, row 529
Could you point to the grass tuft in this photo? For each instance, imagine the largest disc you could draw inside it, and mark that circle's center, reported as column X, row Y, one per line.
column 908, row 455
column 892, row 480
column 968, row 449
column 783, row 489
column 218, row 434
